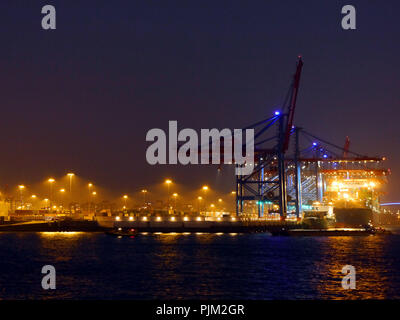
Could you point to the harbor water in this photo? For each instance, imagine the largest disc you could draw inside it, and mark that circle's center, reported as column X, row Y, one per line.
column 197, row 266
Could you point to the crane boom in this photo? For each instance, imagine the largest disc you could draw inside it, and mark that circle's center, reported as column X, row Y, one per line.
column 292, row 105
column 346, row 147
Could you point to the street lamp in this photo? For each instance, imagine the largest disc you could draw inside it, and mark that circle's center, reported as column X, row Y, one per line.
column 21, row 189
column 168, row 182
column 70, row 176
column 125, row 199
column 175, row 195
column 199, row 200
column 205, row 189
column 46, row 202
column 90, row 185
column 94, row 193
column 144, row 191
column 212, row 206
column 33, row 197
column 51, row 181
column 62, row 191
column 220, row 203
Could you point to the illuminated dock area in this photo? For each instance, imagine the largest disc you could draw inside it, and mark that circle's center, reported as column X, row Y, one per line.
column 199, row 224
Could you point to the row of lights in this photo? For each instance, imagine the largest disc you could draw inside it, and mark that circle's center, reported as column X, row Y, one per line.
column 125, row 197
column 171, row 219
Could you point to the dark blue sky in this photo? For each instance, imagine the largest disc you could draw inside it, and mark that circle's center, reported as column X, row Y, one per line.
column 83, row 96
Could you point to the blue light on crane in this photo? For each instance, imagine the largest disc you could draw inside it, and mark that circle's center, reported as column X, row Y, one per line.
column 314, row 144
column 277, row 113
column 325, row 156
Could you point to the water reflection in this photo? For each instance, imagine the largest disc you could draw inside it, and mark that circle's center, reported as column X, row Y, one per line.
column 366, row 254
column 61, row 246
column 198, row 266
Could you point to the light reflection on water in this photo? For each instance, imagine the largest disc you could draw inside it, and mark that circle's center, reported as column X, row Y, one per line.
column 197, row 266
column 371, row 269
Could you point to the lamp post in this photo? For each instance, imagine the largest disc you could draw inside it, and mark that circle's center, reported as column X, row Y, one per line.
column 21, row 189
column 168, row 182
column 90, row 185
column 199, row 201
column 62, row 191
column 205, row 189
column 175, row 195
column 46, row 201
column 94, row 193
column 125, row 201
column 220, row 203
column 70, row 176
column 144, row 191
column 51, row 181
column 33, row 197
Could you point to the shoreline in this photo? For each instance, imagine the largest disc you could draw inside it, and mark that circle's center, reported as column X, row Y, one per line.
column 54, row 226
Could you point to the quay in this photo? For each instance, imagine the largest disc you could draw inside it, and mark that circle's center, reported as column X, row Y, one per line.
column 153, row 224
column 206, row 226
column 53, row 226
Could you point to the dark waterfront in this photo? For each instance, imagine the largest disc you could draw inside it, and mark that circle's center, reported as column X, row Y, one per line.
column 197, row 266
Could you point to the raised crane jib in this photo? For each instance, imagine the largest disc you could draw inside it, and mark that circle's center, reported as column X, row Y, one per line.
column 292, row 105
column 346, row 148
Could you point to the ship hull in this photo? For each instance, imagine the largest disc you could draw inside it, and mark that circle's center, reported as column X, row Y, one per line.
column 353, row 217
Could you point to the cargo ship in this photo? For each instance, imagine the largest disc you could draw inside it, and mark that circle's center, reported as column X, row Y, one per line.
column 344, row 191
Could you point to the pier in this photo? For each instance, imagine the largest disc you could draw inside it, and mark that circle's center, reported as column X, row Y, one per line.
column 201, row 225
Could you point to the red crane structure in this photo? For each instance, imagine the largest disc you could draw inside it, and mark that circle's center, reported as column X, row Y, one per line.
column 287, row 180
column 267, row 182
column 346, row 148
column 292, row 105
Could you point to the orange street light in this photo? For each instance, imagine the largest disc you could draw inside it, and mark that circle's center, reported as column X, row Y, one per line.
column 175, row 195
column 205, row 189
column 21, row 187
column 70, row 175
column 90, row 185
column 168, row 182
column 199, row 200
column 125, row 199
column 51, row 181
column 144, row 191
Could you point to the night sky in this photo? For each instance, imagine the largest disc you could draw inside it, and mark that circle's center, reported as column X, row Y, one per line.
column 82, row 97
